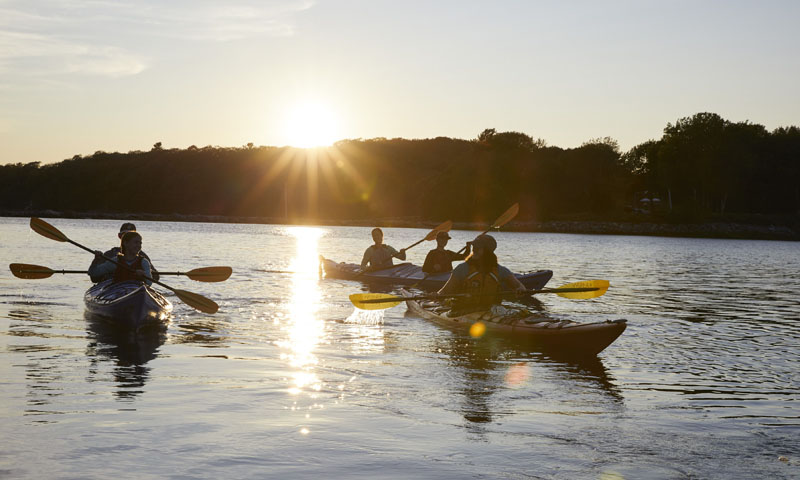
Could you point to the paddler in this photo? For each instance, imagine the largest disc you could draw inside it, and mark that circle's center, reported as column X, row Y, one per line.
column 440, row 259
column 379, row 256
column 112, row 253
column 130, row 255
column 481, row 277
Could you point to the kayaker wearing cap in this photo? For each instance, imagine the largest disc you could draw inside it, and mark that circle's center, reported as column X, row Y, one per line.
column 441, row 260
column 481, row 277
column 379, row 255
column 125, row 228
column 129, row 254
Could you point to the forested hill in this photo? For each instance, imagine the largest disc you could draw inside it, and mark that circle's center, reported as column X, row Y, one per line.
column 702, row 166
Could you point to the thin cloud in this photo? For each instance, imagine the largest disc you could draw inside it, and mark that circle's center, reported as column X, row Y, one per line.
column 39, row 55
column 46, row 37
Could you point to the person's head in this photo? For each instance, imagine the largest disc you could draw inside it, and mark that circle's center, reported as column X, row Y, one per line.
column 441, row 239
column 377, row 235
column 487, row 243
column 130, row 243
column 125, row 228
column 483, row 251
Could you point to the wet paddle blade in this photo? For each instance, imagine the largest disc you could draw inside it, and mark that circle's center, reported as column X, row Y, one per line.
column 210, row 274
column 601, row 287
column 46, row 230
column 30, row 272
column 506, row 217
column 377, row 301
column 196, row 301
column 444, row 227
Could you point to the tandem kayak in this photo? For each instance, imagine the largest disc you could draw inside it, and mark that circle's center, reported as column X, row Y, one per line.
column 406, row 274
column 129, row 304
column 520, row 324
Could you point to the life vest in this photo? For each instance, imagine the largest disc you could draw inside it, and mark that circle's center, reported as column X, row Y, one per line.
column 483, row 288
column 122, row 274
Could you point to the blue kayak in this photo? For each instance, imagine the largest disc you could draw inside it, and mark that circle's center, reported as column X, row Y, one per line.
column 129, row 304
column 408, row 274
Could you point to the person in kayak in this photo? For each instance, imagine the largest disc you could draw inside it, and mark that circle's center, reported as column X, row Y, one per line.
column 130, row 256
column 379, row 255
column 441, row 260
column 481, row 277
column 112, row 253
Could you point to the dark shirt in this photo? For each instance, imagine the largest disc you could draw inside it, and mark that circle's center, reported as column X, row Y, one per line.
column 443, row 259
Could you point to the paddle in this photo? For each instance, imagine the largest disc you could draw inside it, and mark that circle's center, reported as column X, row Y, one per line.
column 35, row 272
column 194, row 300
column 501, row 220
column 577, row 290
column 444, row 227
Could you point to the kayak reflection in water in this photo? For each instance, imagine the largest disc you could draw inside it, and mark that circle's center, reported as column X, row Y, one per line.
column 441, row 260
column 112, row 253
column 481, row 277
column 129, row 255
column 379, row 255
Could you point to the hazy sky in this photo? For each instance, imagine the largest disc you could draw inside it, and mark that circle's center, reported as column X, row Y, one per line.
column 78, row 76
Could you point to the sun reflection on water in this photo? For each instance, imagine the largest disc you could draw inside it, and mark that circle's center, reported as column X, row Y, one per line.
column 305, row 330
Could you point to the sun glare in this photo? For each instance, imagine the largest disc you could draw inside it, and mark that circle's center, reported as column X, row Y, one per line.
column 311, row 125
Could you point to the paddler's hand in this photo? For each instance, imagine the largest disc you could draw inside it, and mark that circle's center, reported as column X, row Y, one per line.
column 98, row 255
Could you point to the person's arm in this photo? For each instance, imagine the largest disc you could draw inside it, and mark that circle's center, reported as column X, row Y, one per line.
column 100, row 270
column 457, row 256
column 455, row 281
column 98, row 260
column 401, row 254
column 365, row 260
column 153, row 270
column 427, row 267
column 146, row 270
column 467, row 249
column 511, row 281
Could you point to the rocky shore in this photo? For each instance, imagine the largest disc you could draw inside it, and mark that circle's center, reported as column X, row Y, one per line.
column 694, row 230
column 784, row 228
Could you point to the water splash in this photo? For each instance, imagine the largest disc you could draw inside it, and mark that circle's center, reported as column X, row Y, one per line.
column 366, row 317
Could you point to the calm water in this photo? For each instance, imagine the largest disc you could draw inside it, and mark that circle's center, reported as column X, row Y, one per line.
column 287, row 381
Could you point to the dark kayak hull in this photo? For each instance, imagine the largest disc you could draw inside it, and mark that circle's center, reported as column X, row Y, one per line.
column 407, row 274
column 564, row 337
column 131, row 305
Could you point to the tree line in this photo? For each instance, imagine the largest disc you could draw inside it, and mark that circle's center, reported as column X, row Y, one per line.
column 703, row 165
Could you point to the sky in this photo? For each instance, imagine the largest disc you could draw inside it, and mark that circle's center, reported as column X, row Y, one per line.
column 80, row 76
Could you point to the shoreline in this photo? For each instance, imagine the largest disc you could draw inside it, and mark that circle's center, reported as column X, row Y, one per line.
column 764, row 230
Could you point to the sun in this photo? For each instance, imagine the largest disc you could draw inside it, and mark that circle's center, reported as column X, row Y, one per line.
column 312, row 124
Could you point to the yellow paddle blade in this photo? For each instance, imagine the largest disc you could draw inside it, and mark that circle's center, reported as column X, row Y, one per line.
column 389, row 301
column 210, row 274
column 445, row 227
column 601, row 287
column 30, row 272
column 196, row 301
column 506, row 217
column 46, row 230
